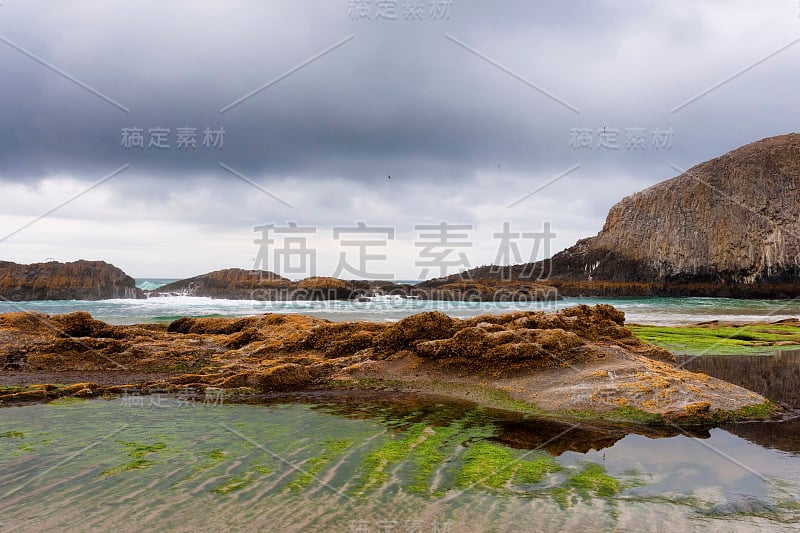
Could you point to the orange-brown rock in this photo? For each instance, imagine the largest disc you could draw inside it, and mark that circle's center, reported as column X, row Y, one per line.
column 415, row 329
column 79, row 280
column 230, row 346
column 280, row 377
column 580, row 346
column 238, row 284
column 231, row 283
column 485, row 290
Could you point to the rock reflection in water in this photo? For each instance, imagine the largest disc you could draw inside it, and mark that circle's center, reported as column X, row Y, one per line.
column 774, row 376
column 783, row 435
column 510, row 429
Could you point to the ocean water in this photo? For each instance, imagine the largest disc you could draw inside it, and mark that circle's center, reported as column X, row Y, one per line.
column 660, row 311
column 149, row 284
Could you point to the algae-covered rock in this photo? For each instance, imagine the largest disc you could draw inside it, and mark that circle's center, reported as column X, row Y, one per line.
column 417, row 328
column 581, row 358
column 281, row 377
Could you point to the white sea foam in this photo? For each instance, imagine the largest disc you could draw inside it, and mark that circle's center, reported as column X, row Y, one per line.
column 659, row 311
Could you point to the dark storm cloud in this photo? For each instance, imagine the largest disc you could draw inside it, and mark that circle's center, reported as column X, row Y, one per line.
column 399, row 97
column 456, row 125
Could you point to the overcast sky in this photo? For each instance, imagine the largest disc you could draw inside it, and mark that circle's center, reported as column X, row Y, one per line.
column 469, row 106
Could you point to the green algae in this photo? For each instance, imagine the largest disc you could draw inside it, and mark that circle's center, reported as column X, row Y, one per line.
column 623, row 413
column 262, row 468
column 12, row 435
column 136, row 449
column 533, row 471
column 138, row 453
column 237, row 482
column 720, row 340
column 375, row 465
column 136, row 464
column 209, row 460
column 314, row 466
column 216, row 455
column 66, row 400
column 591, row 481
column 422, row 440
column 232, row 483
column 594, row 481
column 429, row 454
column 488, row 465
column 764, row 411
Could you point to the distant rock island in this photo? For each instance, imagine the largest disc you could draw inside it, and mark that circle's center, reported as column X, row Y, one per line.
column 726, row 227
column 239, row 284
column 79, row 280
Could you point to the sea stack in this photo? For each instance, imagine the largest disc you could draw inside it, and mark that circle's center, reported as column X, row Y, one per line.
column 79, row 280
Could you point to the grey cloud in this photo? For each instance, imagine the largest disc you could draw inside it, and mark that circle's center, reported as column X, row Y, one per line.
column 453, row 130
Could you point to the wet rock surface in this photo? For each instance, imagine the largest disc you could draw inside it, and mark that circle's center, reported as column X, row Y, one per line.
column 581, row 357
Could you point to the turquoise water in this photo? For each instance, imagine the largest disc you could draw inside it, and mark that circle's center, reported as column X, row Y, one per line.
column 165, row 465
column 661, row 311
column 149, row 284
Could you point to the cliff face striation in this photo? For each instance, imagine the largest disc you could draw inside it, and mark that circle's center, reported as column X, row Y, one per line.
column 79, row 280
column 731, row 220
column 735, row 218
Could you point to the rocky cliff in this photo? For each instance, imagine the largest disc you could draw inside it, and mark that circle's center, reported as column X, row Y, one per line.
column 731, row 220
column 79, row 280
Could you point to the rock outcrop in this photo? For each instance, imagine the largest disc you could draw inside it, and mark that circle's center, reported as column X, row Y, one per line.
column 578, row 358
column 238, row 284
column 79, row 280
column 231, row 283
column 734, row 220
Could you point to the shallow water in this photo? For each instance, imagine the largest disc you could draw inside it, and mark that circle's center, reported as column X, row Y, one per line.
column 357, row 466
column 660, row 311
column 773, row 375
